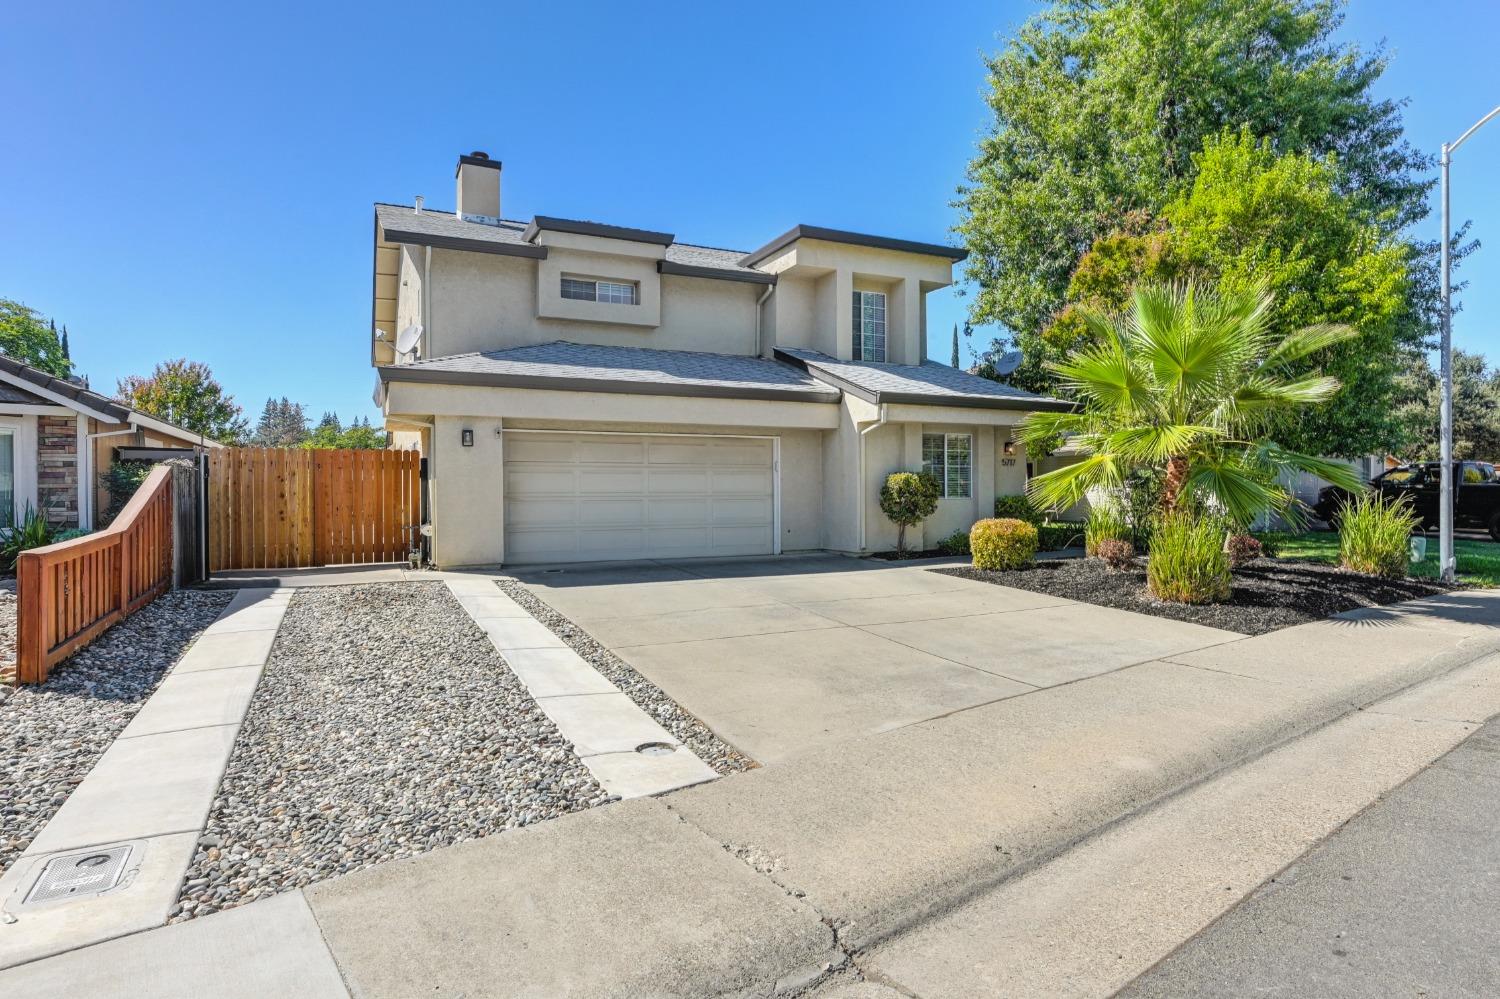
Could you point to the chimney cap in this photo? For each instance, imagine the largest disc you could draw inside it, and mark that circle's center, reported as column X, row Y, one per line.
column 476, row 158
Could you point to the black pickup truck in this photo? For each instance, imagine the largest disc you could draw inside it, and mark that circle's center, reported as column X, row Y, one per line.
column 1476, row 494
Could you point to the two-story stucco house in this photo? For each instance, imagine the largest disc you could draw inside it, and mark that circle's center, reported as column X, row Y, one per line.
column 589, row 392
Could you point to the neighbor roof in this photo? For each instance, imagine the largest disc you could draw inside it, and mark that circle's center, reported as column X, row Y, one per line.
column 99, row 406
column 593, row 368
column 401, row 224
column 924, row 384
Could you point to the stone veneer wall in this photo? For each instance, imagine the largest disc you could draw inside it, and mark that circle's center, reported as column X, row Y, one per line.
column 57, row 469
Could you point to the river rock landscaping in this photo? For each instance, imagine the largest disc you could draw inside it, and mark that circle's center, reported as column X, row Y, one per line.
column 52, row 735
column 385, row 725
column 688, row 730
column 1266, row 595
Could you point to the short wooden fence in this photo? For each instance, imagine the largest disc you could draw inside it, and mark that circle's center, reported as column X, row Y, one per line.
column 282, row 508
column 71, row 592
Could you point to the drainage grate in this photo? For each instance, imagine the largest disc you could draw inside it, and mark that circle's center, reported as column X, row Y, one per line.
column 655, row 749
column 74, row 875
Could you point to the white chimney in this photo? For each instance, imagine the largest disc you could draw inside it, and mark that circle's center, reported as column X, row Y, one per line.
column 478, row 188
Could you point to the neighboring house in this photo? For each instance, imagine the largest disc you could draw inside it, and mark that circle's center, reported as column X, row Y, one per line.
column 589, row 392
column 57, row 437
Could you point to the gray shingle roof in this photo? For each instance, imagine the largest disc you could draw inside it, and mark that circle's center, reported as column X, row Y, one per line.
column 594, row 368
column 402, row 224
column 926, row 383
column 99, row 404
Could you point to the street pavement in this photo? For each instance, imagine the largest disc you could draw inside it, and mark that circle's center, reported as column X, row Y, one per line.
column 1404, row 900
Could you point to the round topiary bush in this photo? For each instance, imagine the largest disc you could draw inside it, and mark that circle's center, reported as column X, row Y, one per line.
column 1002, row 543
column 1116, row 554
column 908, row 498
column 1018, row 507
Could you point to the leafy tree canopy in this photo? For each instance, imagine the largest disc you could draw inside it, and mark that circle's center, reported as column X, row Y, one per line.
column 1254, row 220
column 185, row 393
column 1476, row 410
column 30, row 339
column 330, row 434
column 1101, row 105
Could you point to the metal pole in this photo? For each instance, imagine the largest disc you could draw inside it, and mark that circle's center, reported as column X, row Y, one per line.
column 1445, row 495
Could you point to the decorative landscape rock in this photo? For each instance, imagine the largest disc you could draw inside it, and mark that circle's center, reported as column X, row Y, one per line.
column 385, row 726
column 52, row 735
column 691, row 732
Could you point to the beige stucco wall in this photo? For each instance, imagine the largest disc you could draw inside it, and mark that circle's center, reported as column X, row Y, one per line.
column 484, row 301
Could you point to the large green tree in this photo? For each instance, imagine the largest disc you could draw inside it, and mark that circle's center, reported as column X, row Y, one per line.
column 186, row 393
column 30, row 339
column 1099, row 107
column 1476, row 409
column 1250, row 220
column 330, row 433
column 282, row 423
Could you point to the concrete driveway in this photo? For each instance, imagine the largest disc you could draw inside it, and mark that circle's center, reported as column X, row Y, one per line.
column 779, row 655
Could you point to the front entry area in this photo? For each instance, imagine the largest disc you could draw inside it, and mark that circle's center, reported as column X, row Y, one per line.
column 589, row 497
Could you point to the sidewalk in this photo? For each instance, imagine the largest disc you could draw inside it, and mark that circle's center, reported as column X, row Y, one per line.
column 764, row 880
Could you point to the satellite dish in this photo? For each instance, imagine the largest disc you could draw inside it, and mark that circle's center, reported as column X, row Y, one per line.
column 1008, row 363
column 407, row 339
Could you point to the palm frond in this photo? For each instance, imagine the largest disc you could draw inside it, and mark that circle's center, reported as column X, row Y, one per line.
column 1271, row 456
column 1245, row 493
column 1308, row 340
column 1065, row 486
column 1157, row 443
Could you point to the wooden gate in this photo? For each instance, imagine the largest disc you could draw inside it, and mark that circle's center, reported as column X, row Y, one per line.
column 282, row 508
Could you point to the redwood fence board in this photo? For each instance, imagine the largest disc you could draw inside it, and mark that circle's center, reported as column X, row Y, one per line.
column 71, row 592
column 285, row 508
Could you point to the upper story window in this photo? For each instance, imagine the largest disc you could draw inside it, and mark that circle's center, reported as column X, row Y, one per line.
column 947, row 458
column 590, row 290
column 869, row 326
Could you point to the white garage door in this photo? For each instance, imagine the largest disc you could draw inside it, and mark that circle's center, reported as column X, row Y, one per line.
column 593, row 497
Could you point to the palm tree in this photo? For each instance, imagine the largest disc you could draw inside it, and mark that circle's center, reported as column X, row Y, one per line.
column 1191, row 383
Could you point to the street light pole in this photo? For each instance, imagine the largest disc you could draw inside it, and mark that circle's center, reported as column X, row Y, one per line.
column 1446, row 562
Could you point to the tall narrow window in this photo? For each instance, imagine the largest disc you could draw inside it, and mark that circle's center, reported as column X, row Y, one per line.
column 947, row 458
column 7, row 478
column 869, row 326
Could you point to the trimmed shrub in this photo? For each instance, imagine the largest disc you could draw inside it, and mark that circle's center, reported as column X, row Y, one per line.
column 31, row 531
column 1002, row 543
column 1271, row 542
column 956, row 543
column 1188, row 564
column 1241, row 548
column 120, row 481
column 908, row 498
column 1018, row 507
column 1116, row 554
column 1055, row 537
column 1375, row 535
column 1106, row 523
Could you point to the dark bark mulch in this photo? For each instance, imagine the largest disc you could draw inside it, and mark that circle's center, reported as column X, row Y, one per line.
column 1266, row 595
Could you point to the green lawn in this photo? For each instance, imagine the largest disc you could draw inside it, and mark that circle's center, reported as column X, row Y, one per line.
column 1478, row 561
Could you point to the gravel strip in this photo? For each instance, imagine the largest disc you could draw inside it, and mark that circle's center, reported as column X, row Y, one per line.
column 691, row 732
column 385, row 726
column 7, row 639
column 52, row 735
column 1267, row 594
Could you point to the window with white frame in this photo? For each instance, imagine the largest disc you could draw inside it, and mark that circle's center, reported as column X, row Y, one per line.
column 7, row 476
column 869, row 326
column 946, row 457
column 593, row 290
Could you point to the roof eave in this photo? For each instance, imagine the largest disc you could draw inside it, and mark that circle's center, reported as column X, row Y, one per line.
column 713, row 273
column 412, row 373
column 461, row 243
column 792, row 235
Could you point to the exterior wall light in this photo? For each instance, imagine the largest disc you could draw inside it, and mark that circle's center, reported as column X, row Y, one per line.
column 466, row 437
column 1010, row 447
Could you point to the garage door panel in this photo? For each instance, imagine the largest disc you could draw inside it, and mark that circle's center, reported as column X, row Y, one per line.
column 611, row 512
column 611, row 450
column 678, row 481
column 541, row 480
column 540, row 448
column 596, row 497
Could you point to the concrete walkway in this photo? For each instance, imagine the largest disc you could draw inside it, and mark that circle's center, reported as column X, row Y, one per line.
column 779, row 656
column 844, row 855
column 152, row 789
column 629, row 754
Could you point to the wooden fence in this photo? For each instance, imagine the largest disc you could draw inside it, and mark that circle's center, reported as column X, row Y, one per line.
column 71, row 592
column 280, row 508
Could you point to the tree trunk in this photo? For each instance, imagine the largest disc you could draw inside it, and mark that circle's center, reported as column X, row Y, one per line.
column 1171, row 490
column 900, row 540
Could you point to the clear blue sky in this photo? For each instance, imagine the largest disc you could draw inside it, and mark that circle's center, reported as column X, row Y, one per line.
column 197, row 181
